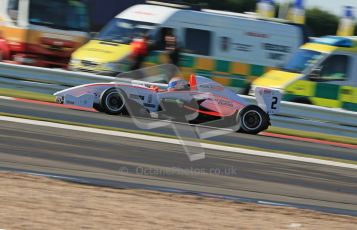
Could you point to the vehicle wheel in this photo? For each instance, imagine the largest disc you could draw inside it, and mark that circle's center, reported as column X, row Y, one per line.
column 112, row 101
column 98, row 107
column 253, row 119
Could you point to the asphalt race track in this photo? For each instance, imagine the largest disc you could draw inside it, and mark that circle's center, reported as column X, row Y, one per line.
column 87, row 155
column 268, row 143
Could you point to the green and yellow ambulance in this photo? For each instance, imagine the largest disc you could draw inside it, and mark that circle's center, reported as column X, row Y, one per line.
column 322, row 72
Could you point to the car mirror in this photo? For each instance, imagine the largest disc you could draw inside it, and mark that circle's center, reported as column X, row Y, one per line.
column 315, row 75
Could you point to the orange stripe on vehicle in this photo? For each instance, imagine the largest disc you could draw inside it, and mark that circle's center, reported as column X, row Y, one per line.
column 193, row 82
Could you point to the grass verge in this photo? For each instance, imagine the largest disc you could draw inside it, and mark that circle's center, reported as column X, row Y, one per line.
column 313, row 135
column 27, row 95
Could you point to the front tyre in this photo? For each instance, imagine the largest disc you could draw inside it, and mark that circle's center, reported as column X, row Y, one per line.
column 253, row 119
column 113, row 101
column 98, row 107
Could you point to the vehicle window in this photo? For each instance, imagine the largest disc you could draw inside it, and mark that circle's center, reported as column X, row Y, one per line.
column 335, row 68
column 198, row 41
column 12, row 9
column 160, row 37
column 302, row 60
column 59, row 14
column 124, row 31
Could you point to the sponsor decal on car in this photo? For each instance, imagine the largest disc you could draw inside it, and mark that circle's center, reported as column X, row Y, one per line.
column 136, row 97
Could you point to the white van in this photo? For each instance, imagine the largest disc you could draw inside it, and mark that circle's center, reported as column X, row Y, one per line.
column 234, row 49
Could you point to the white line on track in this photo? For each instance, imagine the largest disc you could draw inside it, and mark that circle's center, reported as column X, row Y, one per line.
column 271, row 203
column 178, row 142
column 7, row 98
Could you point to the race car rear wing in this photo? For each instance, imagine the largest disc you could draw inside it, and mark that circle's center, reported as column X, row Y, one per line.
column 268, row 99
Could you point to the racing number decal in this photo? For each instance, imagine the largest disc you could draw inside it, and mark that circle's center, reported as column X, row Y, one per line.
column 274, row 102
column 268, row 99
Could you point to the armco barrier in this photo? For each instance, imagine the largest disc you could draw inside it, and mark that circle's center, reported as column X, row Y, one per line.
column 292, row 115
column 55, row 77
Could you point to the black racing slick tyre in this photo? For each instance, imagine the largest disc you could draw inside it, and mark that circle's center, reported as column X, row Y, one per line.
column 113, row 101
column 253, row 119
column 98, row 107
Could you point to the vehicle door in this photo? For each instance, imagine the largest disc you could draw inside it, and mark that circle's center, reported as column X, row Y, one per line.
column 334, row 80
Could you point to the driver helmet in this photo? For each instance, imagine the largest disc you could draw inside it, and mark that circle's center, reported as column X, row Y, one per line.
column 177, row 84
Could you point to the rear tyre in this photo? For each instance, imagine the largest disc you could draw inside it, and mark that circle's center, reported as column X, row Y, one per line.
column 253, row 119
column 113, row 102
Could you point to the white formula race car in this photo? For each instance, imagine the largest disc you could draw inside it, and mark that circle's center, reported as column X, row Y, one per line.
column 198, row 101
